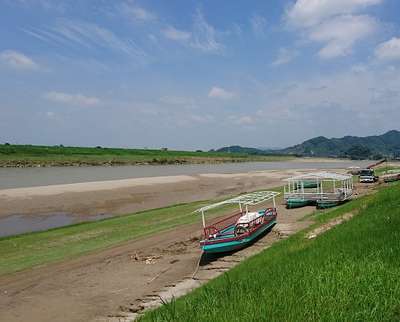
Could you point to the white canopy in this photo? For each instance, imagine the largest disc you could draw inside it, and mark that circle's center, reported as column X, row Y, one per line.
column 249, row 199
column 320, row 176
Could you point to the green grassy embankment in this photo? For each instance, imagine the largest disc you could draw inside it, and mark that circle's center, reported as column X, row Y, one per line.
column 33, row 249
column 28, row 250
column 31, row 155
column 350, row 273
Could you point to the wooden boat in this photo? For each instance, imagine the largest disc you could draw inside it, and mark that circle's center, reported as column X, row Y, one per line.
column 298, row 202
column 241, row 229
column 330, row 190
column 325, row 204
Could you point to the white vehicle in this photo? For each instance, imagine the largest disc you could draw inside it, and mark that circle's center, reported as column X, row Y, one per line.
column 368, row 176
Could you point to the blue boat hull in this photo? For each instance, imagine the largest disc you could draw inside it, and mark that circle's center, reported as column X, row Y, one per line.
column 223, row 247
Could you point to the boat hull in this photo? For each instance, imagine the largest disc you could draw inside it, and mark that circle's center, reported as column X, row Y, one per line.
column 297, row 203
column 327, row 204
column 232, row 245
column 307, row 185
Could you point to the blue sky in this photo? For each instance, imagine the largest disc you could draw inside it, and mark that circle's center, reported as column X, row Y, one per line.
column 197, row 74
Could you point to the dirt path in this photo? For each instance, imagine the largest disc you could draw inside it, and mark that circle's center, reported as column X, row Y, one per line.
column 109, row 284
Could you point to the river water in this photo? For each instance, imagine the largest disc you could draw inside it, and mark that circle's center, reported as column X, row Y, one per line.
column 31, row 177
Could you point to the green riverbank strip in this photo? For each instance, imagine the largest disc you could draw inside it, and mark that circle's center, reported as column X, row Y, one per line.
column 28, row 250
column 25, row 251
column 349, row 273
column 32, row 155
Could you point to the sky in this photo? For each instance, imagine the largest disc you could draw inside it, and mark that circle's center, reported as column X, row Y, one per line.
column 188, row 74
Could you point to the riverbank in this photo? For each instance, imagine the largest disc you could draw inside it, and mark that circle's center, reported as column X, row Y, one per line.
column 44, row 207
column 40, row 208
column 104, row 281
column 32, row 177
column 348, row 273
column 126, row 270
column 25, row 156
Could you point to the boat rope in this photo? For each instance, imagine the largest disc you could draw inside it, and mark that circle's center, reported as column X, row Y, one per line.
column 197, row 268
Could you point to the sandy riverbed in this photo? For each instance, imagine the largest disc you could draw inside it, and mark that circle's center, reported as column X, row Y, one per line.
column 124, row 196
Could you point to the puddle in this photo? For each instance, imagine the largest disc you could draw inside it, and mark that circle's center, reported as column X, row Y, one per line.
column 20, row 224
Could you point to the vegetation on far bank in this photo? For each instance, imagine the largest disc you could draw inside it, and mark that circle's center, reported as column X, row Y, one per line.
column 32, row 155
column 349, row 273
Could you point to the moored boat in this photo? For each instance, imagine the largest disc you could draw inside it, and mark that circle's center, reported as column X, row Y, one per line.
column 331, row 189
column 307, row 184
column 298, row 202
column 241, row 229
column 325, row 204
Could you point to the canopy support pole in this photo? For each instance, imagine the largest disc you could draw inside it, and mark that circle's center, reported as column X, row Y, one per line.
column 204, row 220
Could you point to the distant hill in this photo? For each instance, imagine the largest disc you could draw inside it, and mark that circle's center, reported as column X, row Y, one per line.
column 354, row 147
column 241, row 149
column 387, row 144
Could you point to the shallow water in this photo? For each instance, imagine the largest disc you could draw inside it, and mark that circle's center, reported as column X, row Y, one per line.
column 19, row 224
column 31, row 177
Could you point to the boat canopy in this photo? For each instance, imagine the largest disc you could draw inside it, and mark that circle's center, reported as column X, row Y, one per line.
column 249, row 199
column 320, row 176
column 246, row 200
column 339, row 187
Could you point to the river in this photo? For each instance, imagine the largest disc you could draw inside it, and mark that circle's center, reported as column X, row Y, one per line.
column 32, row 177
column 17, row 223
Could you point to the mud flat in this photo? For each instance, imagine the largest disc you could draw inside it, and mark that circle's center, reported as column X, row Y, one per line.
column 130, row 195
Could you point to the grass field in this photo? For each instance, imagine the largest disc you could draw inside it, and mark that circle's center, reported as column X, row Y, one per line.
column 30, row 155
column 350, row 273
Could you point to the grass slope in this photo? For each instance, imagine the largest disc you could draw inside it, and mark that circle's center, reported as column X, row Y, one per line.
column 350, row 273
column 28, row 250
column 31, row 155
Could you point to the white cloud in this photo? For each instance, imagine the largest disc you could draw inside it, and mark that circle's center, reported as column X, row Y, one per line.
column 74, row 99
column 44, row 4
column 176, row 34
column 204, row 35
column 17, row 60
column 91, row 36
column 220, row 93
column 333, row 23
column 336, row 102
column 307, row 13
column 245, row 120
column 389, row 50
column 201, row 118
column 339, row 34
column 285, row 56
column 258, row 24
column 138, row 13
